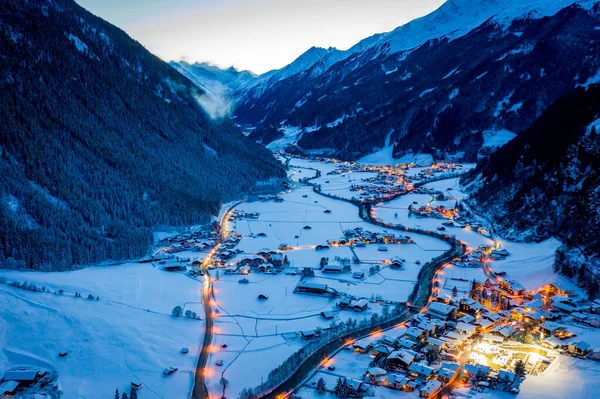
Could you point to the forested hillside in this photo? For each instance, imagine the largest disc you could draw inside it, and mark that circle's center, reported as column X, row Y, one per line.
column 100, row 142
column 546, row 181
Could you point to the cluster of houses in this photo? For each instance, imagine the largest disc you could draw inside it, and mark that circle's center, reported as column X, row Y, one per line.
column 196, row 241
column 29, row 382
column 359, row 237
column 438, row 212
column 431, row 347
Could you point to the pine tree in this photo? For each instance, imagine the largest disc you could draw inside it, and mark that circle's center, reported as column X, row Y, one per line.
column 454, row 292
column 321, row 385
column 117, row 394
column 520, row 368
column 124, row 395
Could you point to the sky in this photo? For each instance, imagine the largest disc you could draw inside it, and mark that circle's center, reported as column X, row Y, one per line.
column 258, row 35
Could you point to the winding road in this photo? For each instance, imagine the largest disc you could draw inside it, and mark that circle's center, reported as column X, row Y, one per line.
column 420, row 297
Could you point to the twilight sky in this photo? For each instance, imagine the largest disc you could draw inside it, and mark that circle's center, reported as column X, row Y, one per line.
column 258, row 35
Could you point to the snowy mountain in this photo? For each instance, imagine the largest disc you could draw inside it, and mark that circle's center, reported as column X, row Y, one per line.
column 460, row 81
column 213, row 79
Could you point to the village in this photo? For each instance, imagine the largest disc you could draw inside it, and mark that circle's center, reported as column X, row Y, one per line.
column 293, row 272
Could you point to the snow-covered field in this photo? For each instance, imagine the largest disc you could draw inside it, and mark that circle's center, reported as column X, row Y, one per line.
column 260, row 335
column 128, row 335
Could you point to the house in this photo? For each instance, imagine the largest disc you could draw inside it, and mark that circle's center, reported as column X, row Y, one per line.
column 333, row 269
column 505, row 375
column 313, row 288
column 381, row 350
column 441, row 311
column 492, row 339
column 360, row 305
column 396, row 263
column 466, row 329
column 400, row 359
column 398, row 381
column 477, row 370
column 512, row 287
column 375, row 372
column 430, row 389
column 467, row 319
column 579, row 348
column 434, row 343
column 406, row 343
column 328, row 315
column 252, row 261
column 563, row 307
column 414, row 334
column 484, row 324
column 309, row 334
column 557, row 288
column 551, row 343
column 428, row 325
column 23, row 375
column 591, row 320
column 358, row 275
column 471, row 306
column 420, row 371
column 534, row 304
column 504, row 331
column 551, row 328
column 446, row 375
column 354, row 388
column 8, row 388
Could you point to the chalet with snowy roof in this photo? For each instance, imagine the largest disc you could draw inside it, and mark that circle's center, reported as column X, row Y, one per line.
column 466, row 329
column 24, row 376
column 396, row 263
column 579, row 348
column 252, row 261
column 430, row 389
column 400, row 359
column 406, row 343
column 431, row 326
column 552, row 342
column 446, row 375
column 504, row 331
column 471, row 306
column 563, row 307
column 534, row 304
column 309, row 334
column 354, row 387
column 358, row 306
column 434, row 343
column 312, row 288
column 414, row 334
column 512, row 287
column 397, row 381
column 558, row 288
column 332, row 269
column 442, row 311
column 477, row 370
column 419, row 370
column 507, row 376
column 467, row 319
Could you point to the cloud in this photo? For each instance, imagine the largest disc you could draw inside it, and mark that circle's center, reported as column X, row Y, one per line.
column 216, row 106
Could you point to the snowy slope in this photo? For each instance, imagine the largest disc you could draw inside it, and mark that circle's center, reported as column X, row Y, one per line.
column 456, row 18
